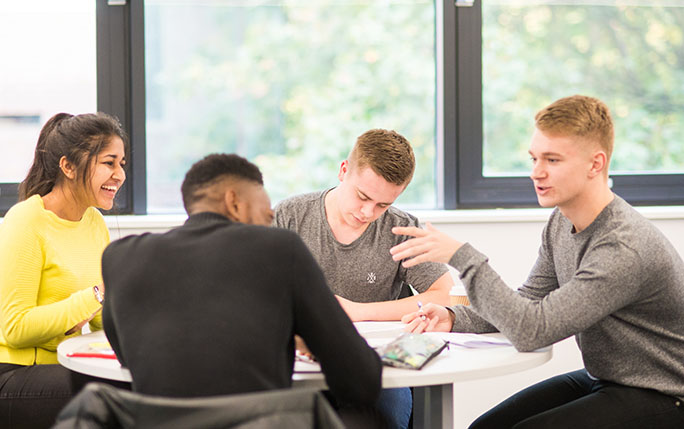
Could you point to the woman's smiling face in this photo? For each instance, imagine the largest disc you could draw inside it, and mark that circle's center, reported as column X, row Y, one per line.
column 108, row 174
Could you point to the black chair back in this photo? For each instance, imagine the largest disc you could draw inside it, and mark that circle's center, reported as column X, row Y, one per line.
column 100, row 406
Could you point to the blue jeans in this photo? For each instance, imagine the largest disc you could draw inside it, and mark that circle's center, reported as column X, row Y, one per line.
column 395, row 406
column 575, row 400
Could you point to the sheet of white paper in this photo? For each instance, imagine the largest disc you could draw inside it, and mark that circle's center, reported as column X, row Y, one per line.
column 471, row 340
column 379, row 329
column 303, row 366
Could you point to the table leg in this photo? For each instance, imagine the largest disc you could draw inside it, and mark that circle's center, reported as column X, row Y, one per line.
column 433, row 407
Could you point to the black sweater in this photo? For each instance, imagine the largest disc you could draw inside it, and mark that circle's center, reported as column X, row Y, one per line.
column 211, row 307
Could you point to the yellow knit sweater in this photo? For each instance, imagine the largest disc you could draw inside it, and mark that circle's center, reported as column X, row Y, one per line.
column 48, row 266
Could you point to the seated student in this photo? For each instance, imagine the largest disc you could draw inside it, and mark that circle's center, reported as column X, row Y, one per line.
column 51, row 246
column 212, row 307
column 604, row 274
column 349, row 231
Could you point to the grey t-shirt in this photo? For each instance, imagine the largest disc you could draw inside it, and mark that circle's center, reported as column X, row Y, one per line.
column 618, row 286
column 362, row 271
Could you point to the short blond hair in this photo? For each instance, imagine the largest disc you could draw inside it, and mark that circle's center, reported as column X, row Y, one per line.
column 579, row 116
column 387, row 153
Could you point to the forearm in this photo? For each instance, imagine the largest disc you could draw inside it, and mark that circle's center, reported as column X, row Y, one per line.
column 438, row 293
column 385, row 310
column 354, row 372
column 465, row 319
column 530, row 323
column 29, row 326
column 352, row 369
column 492, row 300
column 394, row 310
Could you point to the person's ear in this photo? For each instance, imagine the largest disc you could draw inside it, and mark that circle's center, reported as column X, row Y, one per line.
column 233, row 206
column 344, row 169
column 599, row 162
column 67, row 168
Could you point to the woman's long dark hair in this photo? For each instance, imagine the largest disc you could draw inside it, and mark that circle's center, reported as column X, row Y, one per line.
column 79, row 138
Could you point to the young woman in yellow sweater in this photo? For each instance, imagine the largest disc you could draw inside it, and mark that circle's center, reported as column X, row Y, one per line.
column 51, row 245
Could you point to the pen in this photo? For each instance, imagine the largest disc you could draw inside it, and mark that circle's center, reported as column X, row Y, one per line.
column 420, row 307
column 92, row 355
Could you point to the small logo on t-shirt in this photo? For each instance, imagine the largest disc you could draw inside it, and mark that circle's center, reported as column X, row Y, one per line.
column 371, row 278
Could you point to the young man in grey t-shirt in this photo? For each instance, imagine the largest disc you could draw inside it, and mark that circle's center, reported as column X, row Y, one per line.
column 604, row 274
column 349, row 231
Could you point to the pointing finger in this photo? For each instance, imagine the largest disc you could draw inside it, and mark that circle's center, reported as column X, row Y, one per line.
column 408, row 230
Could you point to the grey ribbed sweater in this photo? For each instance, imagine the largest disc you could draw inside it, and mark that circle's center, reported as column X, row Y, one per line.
column 618, row 286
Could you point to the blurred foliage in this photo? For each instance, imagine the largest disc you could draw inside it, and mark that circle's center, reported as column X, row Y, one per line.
column 289, row 85
column 631, row 57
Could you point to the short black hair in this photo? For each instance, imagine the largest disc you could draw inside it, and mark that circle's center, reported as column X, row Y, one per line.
column 213, row 168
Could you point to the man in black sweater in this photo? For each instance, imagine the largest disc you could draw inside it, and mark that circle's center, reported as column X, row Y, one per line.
column 212, row 307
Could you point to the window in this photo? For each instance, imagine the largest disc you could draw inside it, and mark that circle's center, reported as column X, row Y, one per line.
column 629, row 54
column 632, row 57
column 287, row 84
column 49, row 67
column 291, row 83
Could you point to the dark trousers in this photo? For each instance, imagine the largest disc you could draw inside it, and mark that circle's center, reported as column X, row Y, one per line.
column 32, row 396
column 575, row 400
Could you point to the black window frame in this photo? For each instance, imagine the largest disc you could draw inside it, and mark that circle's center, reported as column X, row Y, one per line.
column 121, row 92
column 468, row 187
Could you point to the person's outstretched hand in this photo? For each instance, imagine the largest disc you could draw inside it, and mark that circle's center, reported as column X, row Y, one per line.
column 429, row 244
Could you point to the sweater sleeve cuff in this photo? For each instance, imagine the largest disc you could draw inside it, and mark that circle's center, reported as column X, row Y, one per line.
column 88, row 300
column 465, row 257
column 452, row 315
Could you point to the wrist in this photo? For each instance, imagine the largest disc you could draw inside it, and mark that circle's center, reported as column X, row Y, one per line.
column 452, row 315
column 367, row 311
column 99, row 296
column 358, row 311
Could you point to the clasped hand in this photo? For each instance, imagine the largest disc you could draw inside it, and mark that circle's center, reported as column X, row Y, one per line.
column 430, row 318
column 82, row 323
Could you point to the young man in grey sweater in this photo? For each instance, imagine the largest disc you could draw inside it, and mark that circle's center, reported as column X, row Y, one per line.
column 604, row 274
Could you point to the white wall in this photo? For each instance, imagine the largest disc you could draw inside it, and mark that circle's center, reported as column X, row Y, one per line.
column 510, row 238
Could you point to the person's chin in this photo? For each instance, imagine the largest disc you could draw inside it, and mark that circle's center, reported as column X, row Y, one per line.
column 105, row 205
column 545, row 202
column 357, row 222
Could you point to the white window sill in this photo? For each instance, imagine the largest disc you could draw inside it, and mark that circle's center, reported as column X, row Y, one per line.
column 432, row 216
column 159, row 221
column 528, row 215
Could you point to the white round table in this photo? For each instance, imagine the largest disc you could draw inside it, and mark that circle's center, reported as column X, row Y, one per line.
column 433, row 385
